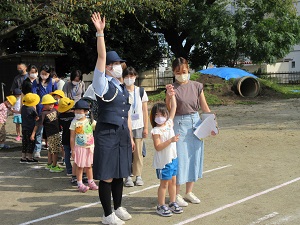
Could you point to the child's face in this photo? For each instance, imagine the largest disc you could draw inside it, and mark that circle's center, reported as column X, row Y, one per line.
column 17, row 96
column 56, row 97
column 48, row 106
column 79, row 111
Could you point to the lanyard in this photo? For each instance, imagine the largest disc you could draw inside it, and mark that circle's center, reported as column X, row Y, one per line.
column 134, row 101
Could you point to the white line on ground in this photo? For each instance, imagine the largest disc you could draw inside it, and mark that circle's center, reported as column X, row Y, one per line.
column 95, row 203
column 237, row 202
column 264, row 218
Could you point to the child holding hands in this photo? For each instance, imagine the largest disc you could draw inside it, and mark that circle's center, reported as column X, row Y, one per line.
column 165, row 156
column 82, row 145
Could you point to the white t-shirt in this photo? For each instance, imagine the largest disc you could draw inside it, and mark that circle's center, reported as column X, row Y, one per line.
column 165, row 156
column 60, row 84
column 17, row 106
column 136, row 109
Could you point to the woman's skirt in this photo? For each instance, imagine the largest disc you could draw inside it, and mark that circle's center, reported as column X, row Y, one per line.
column 113, row 152
column 190, row 149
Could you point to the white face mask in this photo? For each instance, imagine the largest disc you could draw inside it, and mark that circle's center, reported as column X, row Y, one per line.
column 79, row 116
column 33, row 75
column 75, row 82
column 129, row 81
column 182, row 78
column 44, row 77
column 160, row 120
column 117, row 71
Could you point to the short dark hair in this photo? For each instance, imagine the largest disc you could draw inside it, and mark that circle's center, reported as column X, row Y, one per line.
column 30, row 67
column 129, row 70
column 158, row 107
column 74, row 74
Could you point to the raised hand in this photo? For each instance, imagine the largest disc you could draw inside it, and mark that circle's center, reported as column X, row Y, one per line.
column 98, row 22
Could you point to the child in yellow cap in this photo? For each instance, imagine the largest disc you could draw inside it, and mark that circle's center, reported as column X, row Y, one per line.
column 49, row 119
column 29, row 116
column 6, row 105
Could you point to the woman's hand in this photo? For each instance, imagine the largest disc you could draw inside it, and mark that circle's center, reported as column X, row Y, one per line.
column 145, row 133
column 98, row 22
column 132, row 144
column 32, row 137
column 73, row 154
column 170, row 90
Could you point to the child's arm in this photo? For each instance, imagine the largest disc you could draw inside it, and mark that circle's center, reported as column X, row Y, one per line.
column 72, row 142
column 160, row 146
column 32, row 137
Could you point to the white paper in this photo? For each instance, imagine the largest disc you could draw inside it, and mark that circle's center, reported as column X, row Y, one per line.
column 208, row 125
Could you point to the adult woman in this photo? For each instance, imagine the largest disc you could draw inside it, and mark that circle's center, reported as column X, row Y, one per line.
column 27, row 84
column 43, row 85
column 139, row 118
column 75, row 88
column 190, row 150
column 113, row 140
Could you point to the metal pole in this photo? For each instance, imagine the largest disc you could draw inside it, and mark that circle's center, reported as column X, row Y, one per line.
column 2, row 84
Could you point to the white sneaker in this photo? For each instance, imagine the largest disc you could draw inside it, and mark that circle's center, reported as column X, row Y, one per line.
column 139, row 181
column 180, row 201
column 192, row 198
column 128, row 182
column 122, row 213
column 37, row 155
column 112, row 219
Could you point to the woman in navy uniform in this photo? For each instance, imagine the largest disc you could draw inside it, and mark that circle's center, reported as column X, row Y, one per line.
column 113, row 139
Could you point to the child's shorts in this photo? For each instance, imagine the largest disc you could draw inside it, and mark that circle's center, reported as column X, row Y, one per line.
column 2, row 132
column 54, row 143
column 17, row 119
column 169, row 171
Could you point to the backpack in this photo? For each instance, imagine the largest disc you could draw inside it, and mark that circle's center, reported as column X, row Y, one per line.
column 141, row 92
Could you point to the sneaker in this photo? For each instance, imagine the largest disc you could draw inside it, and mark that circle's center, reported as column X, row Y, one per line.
column 112, row 219
column 175, row 208
column 163, row 210
column 192, row 198
column 23, row 160
column 37, row 155
column 139, row 181
column 73, row 181
column 18, row 138
column 5, row 147
column 93, row 186
column 32, row 160
column 83, row 188
column 48, row 166
column 56, row 169
column 128, row 182
column 122, row 213
column 180, row 201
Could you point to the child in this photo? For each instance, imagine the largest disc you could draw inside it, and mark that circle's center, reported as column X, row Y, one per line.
column 139, row 123
column 10, row 101
column 17, row 116
column 29, row 115
column 165, row 156
column 65, row 118
column 57, row 95
column 82, row 145
column 49, row 119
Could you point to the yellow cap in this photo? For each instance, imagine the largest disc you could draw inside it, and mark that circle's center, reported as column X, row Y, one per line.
column 31, row 99
column 65, row 104
column 58, row 92
column 11, row 99
column 48, row 99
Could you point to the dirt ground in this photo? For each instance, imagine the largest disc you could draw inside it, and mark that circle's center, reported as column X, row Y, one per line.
column 252, row 176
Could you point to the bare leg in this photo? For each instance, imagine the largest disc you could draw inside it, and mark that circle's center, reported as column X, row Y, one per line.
column 161, row 192
column 172, row 189
column 189, row 187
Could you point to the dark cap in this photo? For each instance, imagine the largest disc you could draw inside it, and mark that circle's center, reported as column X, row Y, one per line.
column 17, row 91
column 112, row 57
column 82, row 104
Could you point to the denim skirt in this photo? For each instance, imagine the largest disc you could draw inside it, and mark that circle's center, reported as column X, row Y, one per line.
column 190, row 149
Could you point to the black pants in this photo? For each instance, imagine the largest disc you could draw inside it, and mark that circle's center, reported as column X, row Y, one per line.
column 27, row 144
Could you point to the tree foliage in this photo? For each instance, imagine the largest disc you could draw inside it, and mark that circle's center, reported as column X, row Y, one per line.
column 142, row 31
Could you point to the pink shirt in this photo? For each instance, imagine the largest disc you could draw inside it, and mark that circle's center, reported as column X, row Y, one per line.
column 3, row 113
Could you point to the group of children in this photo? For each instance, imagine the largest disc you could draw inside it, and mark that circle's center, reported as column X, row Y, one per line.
column 65, row 126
